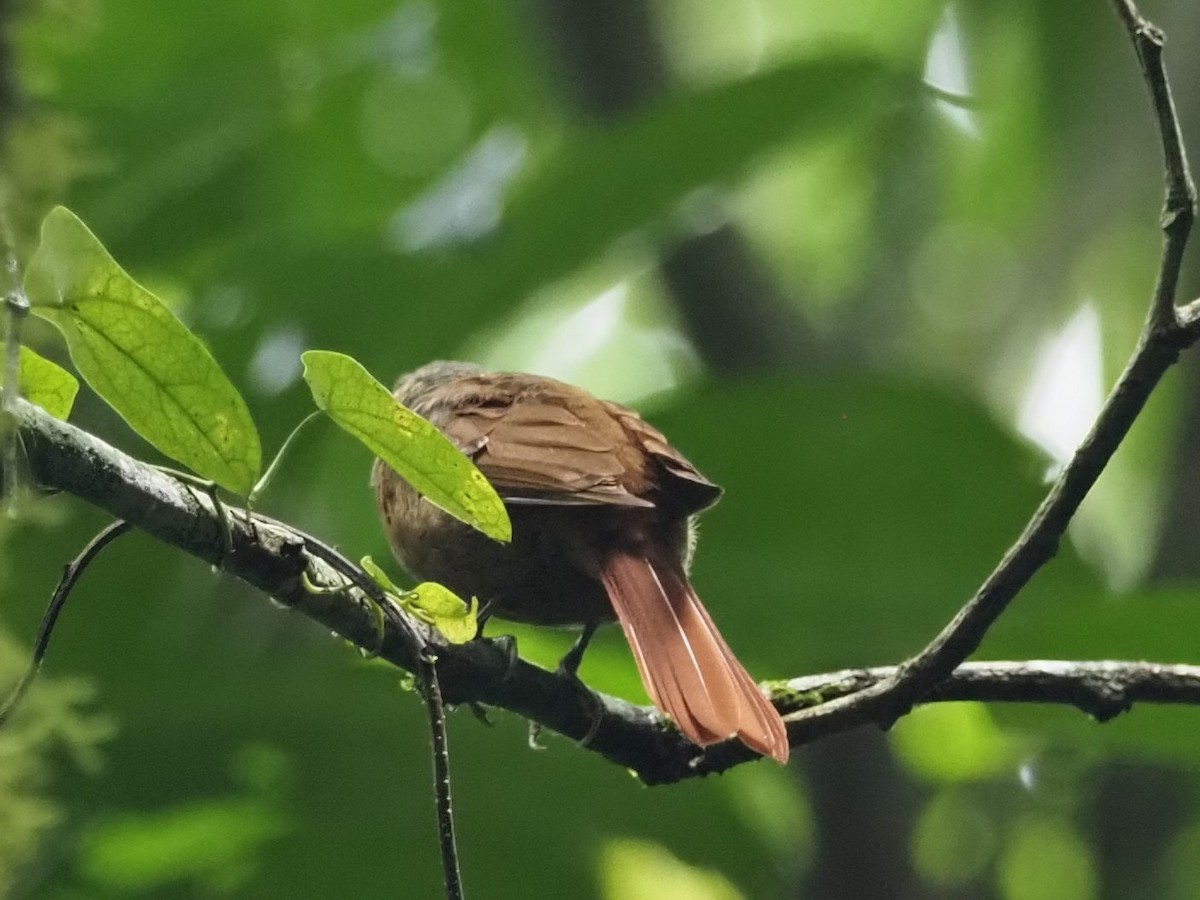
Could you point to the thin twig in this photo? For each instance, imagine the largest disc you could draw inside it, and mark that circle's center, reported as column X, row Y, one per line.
column 265, row 480
column 11, row 368
column 70, row 576
column 16, row 308
column 1180, row 203
column 441, row 776
column 1162, row 339
column 338, row 561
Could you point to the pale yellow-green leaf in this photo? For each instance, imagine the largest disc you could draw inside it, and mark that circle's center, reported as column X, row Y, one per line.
column 47, row 384
column 379, row 576
column 418, row 452
column 446, row 611
column 432, row 603
column 140, row 358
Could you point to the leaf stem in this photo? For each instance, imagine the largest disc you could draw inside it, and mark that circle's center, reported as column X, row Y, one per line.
column 265, row 480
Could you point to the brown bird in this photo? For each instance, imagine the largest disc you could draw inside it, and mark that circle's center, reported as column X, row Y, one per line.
column 602, row 509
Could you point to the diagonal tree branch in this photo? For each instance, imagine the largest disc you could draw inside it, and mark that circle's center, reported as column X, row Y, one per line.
column 278, row 559
column 1166, row 333
column 272, row 557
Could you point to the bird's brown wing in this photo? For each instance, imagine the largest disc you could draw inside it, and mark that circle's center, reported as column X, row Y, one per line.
column 543, row 441
column 676, row 477
column 554, row 446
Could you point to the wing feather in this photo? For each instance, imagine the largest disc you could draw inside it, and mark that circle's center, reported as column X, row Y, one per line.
column 541, row 441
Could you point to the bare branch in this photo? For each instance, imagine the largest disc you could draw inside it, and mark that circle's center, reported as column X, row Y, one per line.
column 278, row 560
column 271, row 557
column 1179, row 207
column 281, row 560
column 1164, row 335
column 1103, row 689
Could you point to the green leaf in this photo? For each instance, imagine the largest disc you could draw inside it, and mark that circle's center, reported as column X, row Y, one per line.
column 140, row 358
column 433, row 603
column 379, row 576
column 445, row 610
column 47, row 384
column 420, row 454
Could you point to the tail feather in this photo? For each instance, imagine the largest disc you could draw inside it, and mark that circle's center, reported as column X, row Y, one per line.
column 688, row 669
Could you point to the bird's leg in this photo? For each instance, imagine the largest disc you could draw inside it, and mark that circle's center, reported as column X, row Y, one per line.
column 569, row 666
column 571, row 662
column 505, row 643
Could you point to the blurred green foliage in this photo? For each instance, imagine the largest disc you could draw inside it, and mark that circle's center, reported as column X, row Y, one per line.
column 55, row 725
column 409, row 181
column 638, row 870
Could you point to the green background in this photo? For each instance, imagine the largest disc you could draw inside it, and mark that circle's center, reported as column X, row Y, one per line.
column 431, row 179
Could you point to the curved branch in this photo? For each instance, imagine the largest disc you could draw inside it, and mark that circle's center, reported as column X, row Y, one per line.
column 1166, row 333
column 58, row 600
column 280, row 560
column 271, row 556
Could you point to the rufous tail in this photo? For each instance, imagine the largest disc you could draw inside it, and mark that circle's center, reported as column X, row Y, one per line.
column 688, row 670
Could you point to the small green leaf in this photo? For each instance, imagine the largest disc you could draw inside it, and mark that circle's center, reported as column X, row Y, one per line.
column 432, row 603
column 445, row 610
column 47, row 384
column 420, row 454
column 379, row 576
column 140, row 358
